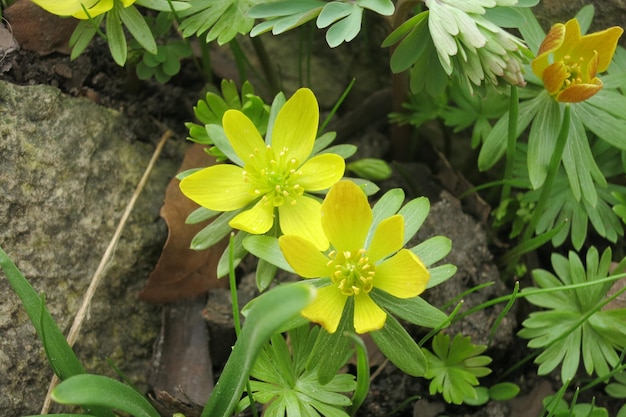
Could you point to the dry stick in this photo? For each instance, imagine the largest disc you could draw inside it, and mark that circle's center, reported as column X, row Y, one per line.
column 98, row 275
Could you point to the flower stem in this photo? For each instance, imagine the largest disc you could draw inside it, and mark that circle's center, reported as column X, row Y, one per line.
column 553, row 168
column 511, row 143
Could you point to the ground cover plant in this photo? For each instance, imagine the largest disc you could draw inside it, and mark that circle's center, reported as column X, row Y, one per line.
column 544, row 112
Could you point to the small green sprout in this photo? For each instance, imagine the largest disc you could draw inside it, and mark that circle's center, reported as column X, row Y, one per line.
column 455, row 366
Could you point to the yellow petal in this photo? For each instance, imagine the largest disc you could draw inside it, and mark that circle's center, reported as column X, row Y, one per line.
column 99, row 7
column 303, row 218
column 257, row 220
column 321, row 172
column 63, row 8
column 219, row 187
column 603, row 42
column 579, row 92
column 553, row 41
column 327, row 308
column 304, row 257
column 403, row 275
column 243, row 136
column 368, row 316
column 387, row 239
column 554, row 76
column 296, row 125
column 346, row 216
column 127, row 3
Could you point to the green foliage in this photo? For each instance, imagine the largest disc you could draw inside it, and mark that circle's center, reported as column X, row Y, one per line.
column 166, row 62
column 210, row 111
column 96, row 390
column 574, row 320
column 455, row 366
column 269, row 312
column 503, row 391
column 557, row 407
column 221, row 20
column 370, row 168
column 343, row 19
column 285, row 384
column 617, row 389
column 565, row 206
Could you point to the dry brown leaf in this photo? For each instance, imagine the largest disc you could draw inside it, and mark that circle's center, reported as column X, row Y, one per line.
column 183, row 272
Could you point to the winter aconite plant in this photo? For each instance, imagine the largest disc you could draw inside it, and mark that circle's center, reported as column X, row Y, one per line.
column 575, row 321
column 336, row 258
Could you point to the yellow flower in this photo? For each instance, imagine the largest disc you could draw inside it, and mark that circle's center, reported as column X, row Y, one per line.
column 276, row 176
column 75, row 7
column 355, row 267
column 568, row 62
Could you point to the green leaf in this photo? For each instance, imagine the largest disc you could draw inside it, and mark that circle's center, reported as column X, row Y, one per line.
column 89, row 390
column 222, row 19
column 200, row 214
column 239, row 252
column 542, row 140
column 412, row 46
column 373, row 169
column 494, row 146
column 269, row 312
column 265, row 273
column 164, row 5
column 414, row 213
column 433, row 249
column 531, row 30
column 115, row 36
column 345, row 29
column 218, row 137
column 138, row 27
column 283, row 8
column 398, row 346
column 440, row 274
column 382, row 7
column 266, row 248
column 214, row 232
column 83, row 34
column 604, row 124
column 66, row 364
column 403, row 29
column 415, row 310
column 332, row 12
column 504, row 391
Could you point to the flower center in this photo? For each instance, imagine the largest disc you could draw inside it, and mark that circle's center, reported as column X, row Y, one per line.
column 273, row 176
column 352, row 271
column 574, row 70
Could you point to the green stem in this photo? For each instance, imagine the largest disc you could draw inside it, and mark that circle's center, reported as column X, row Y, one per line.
column 511, row 143
column 553, row 168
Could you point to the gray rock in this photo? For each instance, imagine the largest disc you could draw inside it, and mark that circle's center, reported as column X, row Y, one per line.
column 67, row 170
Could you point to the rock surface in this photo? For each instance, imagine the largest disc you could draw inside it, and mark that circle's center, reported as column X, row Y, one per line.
column 67, row 170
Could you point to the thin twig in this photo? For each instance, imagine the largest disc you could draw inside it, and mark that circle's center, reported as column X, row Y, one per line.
column 99, row 274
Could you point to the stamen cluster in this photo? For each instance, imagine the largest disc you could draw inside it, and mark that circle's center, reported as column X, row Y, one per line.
column 352, row 271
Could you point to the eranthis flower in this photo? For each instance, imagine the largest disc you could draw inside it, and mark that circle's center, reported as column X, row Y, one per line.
column 568, row 62
column 275, row 177
column 355, row 264
column 75, row 7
